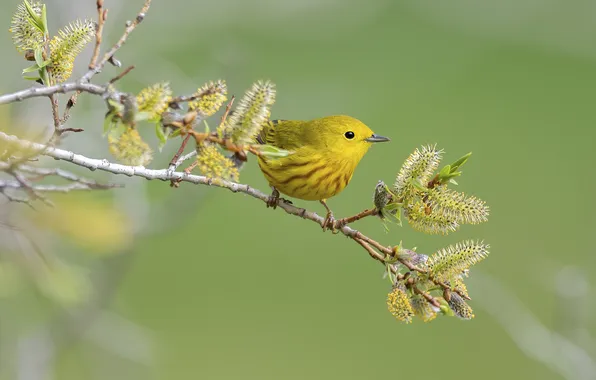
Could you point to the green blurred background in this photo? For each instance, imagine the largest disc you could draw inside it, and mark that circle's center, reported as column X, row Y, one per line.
column 216, row 286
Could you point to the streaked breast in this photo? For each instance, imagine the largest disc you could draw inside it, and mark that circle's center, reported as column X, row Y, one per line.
column 308, row 177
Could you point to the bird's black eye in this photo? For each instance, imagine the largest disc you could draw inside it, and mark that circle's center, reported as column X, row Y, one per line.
column 349, row 135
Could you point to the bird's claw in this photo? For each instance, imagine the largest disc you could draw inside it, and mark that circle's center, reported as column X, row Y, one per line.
column 331, row 223
column 274, row 200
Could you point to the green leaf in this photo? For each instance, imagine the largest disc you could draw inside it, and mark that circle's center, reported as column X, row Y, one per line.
column 141, row 116
column 34, row 19
column 31, row 69
column 45, row 63
column 107, row 124
column 26, row 77
column 389, row 274
column 392, row 206
column 272, row 151
column 115, row 106
column 207, row 129
column 445, row 309
column 159, row 132
column 43, row 73
column 393, row 218
column 162, row 134
column 38, row 54
column 176, row 133
column 445, row 171
column 44, row 20
column 456, row 165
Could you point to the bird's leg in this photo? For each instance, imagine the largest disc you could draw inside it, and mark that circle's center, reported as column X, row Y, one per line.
column 329, row 221
column 273, row 199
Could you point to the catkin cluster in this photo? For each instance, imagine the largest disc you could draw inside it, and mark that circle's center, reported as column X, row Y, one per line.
column 422, row 195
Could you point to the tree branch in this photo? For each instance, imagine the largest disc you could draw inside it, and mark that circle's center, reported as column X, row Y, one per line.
column 169, row 175
column 64, row 88
column 375, row 249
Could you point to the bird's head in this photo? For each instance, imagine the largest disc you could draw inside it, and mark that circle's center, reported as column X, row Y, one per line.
column 346, row 136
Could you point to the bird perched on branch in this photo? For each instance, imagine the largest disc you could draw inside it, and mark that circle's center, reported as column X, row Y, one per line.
column 323, row 156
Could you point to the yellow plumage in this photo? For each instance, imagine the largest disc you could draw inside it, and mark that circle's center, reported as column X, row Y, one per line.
column 324, row 155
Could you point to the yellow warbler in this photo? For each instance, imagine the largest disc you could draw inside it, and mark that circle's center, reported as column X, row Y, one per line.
column 323, row 156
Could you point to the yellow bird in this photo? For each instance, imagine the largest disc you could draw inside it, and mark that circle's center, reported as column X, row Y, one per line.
column 323, row 156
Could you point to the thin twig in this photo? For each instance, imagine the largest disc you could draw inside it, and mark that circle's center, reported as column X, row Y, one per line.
column 69, row 104
column 180, row 151
column 371, row 251
column 227, row 111
column 181, row 99
column 354, row 218
column 64, row 130
column 29, row 189
column 174, row 159
column 130, row 26
column 186, row 157
column 57, row 188
column 122, row 74
column 45, row 172
column 12, row 198
column 188, row 170
column 101, row 19
column 432, row 300
column 55, row 117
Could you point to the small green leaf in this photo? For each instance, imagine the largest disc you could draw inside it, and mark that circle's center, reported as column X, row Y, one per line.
column 392, row 206
column 445, row 309
column 43, row 73
column 44, row 20
column 176, row 133
column 460, row 162
column 393, row 218
column 207, row 129
column 34, row 19
column 45, row 63
column 385, row 226
column 115, row 106
column 31, row 69
column 159, row 132
column 26, row 77
column 445, row 171
column 272, row 151
column 108, row 123
column 38, row 54
column 453, row 182
column 141, row 116
column 162, row 134
column 389, row 274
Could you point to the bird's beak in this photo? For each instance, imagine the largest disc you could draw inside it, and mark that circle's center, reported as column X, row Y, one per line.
column 376, row 138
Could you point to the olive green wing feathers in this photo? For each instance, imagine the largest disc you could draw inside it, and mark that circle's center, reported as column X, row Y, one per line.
column 283, row 134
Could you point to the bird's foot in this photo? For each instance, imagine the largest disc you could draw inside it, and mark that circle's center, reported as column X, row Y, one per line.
column 273, row 199
column 331, row 223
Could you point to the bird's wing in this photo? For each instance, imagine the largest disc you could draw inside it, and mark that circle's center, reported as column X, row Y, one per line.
column 283, row 134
